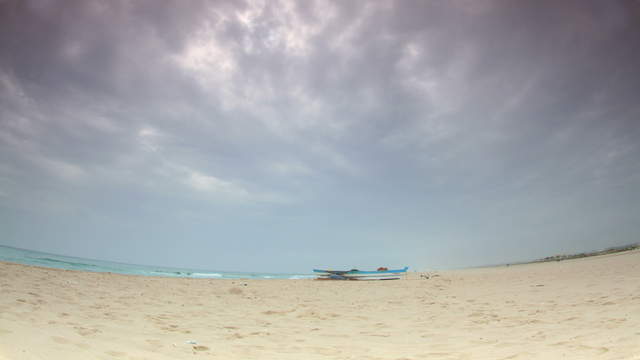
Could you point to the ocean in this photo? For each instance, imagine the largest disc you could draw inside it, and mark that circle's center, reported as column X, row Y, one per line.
column 37, row 258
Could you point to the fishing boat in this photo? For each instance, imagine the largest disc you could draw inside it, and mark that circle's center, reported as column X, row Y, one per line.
column 355, row 274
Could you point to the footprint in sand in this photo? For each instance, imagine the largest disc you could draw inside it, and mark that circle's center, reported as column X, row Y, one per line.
column 83, row 331
column 235, row 291
column 327, row 351
column 60, row 340
column 273, row 312
column 83, row 346
column 115, row 353
column 600, row 349
column 156, row 344
column 260, row 333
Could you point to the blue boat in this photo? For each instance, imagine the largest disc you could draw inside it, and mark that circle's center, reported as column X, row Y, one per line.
column 360, row 275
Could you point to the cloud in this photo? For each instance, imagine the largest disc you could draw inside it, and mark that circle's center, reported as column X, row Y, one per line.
column 212, row 184
column 227, row 190
column 149, row 138
column 380, row 110
column 63, row 169
column 290, row 168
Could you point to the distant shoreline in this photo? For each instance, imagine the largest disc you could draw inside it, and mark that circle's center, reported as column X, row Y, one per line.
column 560, row 257
column 607, row 251
column 563, row 257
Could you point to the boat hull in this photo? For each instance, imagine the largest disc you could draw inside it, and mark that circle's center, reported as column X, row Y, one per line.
column 359, row 275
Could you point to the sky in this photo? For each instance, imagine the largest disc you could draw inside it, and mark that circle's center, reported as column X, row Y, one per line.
column 286, row 135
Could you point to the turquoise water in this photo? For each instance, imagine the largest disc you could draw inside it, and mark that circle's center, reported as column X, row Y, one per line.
column 37, row 258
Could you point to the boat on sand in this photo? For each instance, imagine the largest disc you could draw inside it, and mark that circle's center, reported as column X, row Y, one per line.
column 355, row 274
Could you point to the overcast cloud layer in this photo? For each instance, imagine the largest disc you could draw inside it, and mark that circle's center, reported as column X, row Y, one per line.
column 279, row 136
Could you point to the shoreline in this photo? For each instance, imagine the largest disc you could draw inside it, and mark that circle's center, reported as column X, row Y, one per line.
column 620, row 250
column 65, row 262
column 170, row 272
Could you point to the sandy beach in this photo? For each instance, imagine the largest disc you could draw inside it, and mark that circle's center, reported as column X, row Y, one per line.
column 578, row 309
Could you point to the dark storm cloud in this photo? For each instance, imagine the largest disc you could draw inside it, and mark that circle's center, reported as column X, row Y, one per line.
column 428, row 114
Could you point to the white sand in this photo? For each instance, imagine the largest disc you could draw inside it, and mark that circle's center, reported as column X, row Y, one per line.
column 578, row 309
